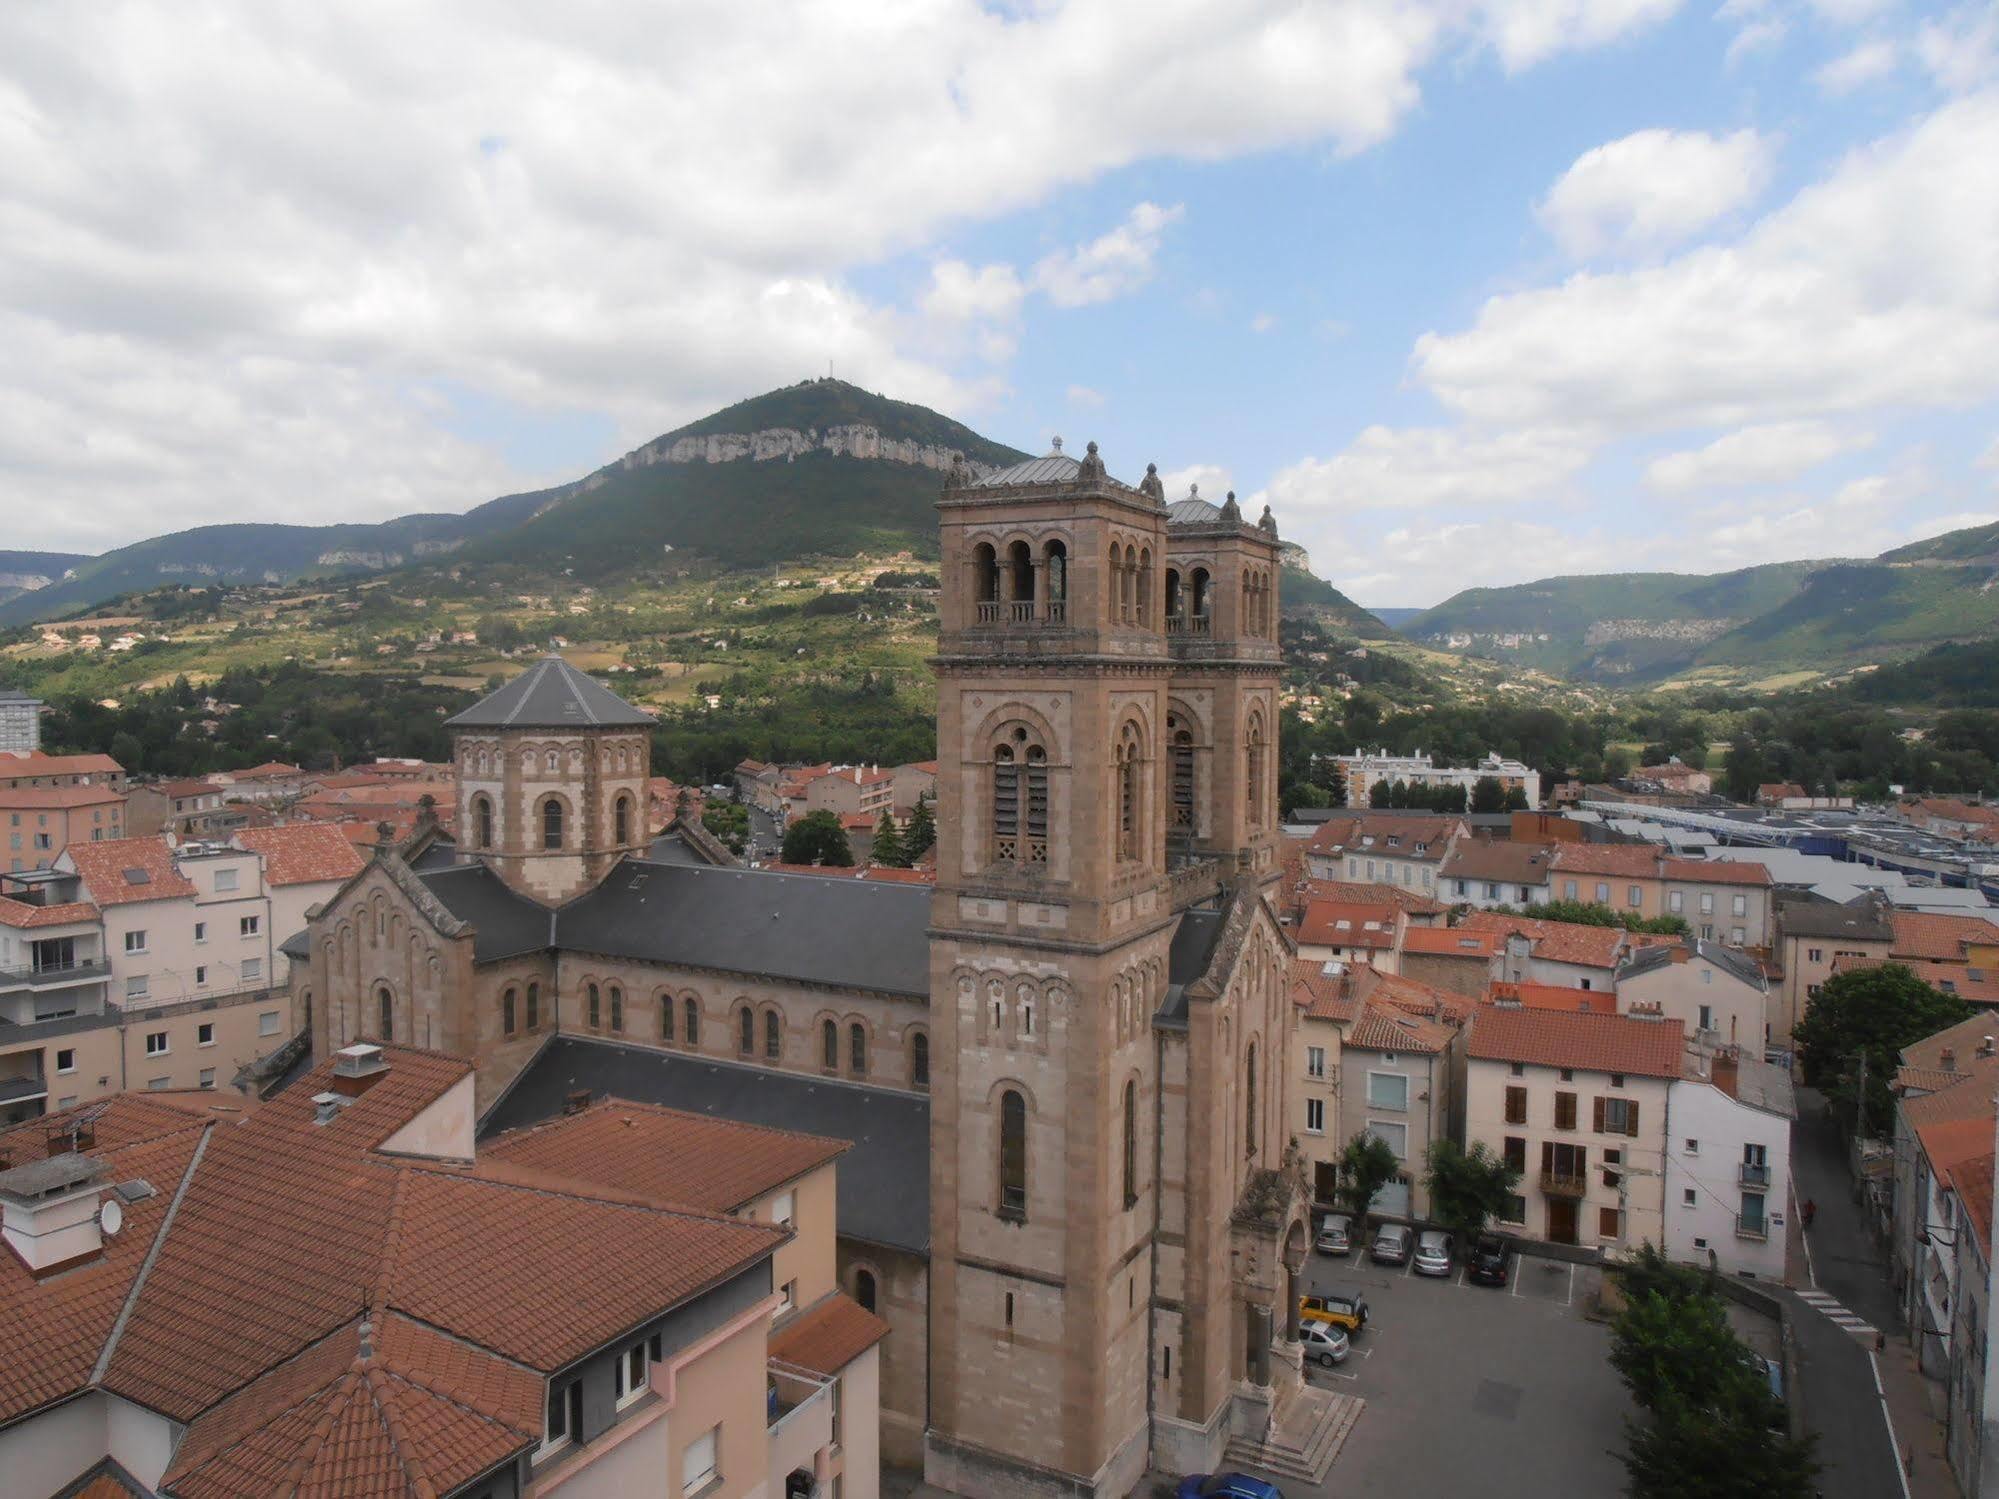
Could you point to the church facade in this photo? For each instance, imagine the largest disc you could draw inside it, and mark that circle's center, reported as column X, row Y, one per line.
column 1089, row 1008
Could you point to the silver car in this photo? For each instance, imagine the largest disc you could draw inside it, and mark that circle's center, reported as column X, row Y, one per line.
column 1433, row 1253
column 1391, row 1245
column 1324, row 1342
column 1335, row 1235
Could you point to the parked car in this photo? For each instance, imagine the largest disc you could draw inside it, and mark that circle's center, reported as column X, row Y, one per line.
column 1780, row 1419
column 1391, row 1245
column 1490, row 1263
column 1335, row 1235
column 1226, row 1486
column 1323, row 1341
column 1433, row 1252
column 1346, row 1310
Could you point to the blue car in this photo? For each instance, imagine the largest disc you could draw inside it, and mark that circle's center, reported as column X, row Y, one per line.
column 1226, row 1486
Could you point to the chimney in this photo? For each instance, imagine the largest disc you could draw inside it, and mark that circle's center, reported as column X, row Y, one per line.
column 1985, row 1047
column 576, row 1102
column 1947, row 1060
column 1506, row 996
column 1727, row 1075
column 49, row 1212
column 327, row 1107
column 358, row 1068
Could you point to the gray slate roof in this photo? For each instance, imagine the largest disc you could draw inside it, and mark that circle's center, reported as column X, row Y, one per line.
column 1192, row 949
column 1863, row 920
column 505, row 924
column 857, row 934
column 551, row 694
column 1193, row 511
column 884, row 1181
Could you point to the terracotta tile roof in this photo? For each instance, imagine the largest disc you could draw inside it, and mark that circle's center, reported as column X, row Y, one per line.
column 667, row 1155
column 270, row 770
column 1961, row 1041
column 302, row 853
column 1972, row 1181
column 1321, row 995
column 1367, row 893
column 1557, row 941
column 1555, row 997
column 108, row 869
column 1451, row 941
column 185, row 788
column 1979, row 986
column 1387, row 833
column 1950, row 1142
column 1330, row 924
column 121, row 1120
column 1717, row 872
column 105, row 1480
column 1597, row 1043
column 826, row 1338
column 21, row 915
column 1933, row 937
column 58, row 798
column 21, row 764
column 1387, row 1027
column 1415, row 996
column 1970, row 1097
column 1637, row 861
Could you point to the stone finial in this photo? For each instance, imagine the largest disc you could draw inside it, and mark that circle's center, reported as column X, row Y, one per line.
column 1231, row 511
column 1268, row 522
column 1150, row 485
column 1054, row 445
column 1091, row 470
column 1193, row 491
column 959, row 475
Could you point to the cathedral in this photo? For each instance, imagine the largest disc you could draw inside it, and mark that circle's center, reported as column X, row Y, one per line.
column 1065, row 1069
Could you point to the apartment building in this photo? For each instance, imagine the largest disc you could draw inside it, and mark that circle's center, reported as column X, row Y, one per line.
column 1728, row 1164
column 1485, row 873
column 39, row 822
column 31, row 770
column 1349, row 932
column 20, row 721
column 1454, row 958
column 1363, row 769
column 1955, row 953
column 1716, row 993
column 381, row 1252
column 1721, row 900
column 1578, row 1104
column 1562, row 953
column 1324, row 1005
column 1814, row 935
column 1624, row 876
column 1391, row 848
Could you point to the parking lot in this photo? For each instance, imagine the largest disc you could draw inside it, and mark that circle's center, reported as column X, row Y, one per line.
column 1473, row 1389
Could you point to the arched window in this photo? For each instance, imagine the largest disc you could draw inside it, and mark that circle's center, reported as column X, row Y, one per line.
column 595, row 1010
column 482, row 821
column 666, row 1018
column 829, row 1037
column 1249, row 1130
column 551, row 822
column 1130, row 1144
column 1055, row 565
column 1201, row 606
column 534, row 1007
column 507, row 1013
column 617, row 1008
column 691, row 1013
column 864, row 1289
column 985, row 582
column 746, row 1031
column 919, row 1061
column 1131, row 605
column 385, row 1003
column 621, row 819
column 1006, row 802
column 1143, row 586
column 1131, row 842
column 857, row 1049
column 1253, row 752
column 1176, row 603
column 1013, row 1156
column 1183, row 776
column 1020, row 580
column 773, row 1036
column 553, row 761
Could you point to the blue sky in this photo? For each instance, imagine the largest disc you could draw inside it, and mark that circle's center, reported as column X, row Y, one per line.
column 1470, row 293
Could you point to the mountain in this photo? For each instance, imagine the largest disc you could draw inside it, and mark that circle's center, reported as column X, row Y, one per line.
column 1301, row 594
column 1793, row 616
column 1395, row 619
column 30, row 572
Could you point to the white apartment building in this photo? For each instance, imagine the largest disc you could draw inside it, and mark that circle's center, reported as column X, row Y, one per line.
column 1716, row 993
column 1363, row 768
column 1728, row 1165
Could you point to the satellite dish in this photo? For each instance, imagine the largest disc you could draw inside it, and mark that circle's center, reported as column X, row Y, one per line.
column 111, row 1217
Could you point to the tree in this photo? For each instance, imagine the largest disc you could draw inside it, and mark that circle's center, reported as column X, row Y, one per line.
column 887, row 850
column 1468, row 1188
column 1516, row 800
column 128, row 752
column 921, row 832
column 728, row 821
column 1379, row 793
column 1305, row 794
column 1487, row 795
column 818, row 838
column 1870, row 1012
column 1682, row 1348
column 1683, row 1454
column 1366, row 1166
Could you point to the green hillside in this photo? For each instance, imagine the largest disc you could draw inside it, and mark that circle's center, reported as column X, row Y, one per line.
column 1864, row 611
column 1304, row 594
column 30, row 572
column 1974, row 543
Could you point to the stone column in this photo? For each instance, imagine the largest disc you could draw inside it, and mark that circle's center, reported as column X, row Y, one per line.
column 1259, row 1342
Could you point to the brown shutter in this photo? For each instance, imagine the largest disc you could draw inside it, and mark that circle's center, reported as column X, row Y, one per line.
column 1548, row 1156
column 1596, row 1115
column 1632, row 1127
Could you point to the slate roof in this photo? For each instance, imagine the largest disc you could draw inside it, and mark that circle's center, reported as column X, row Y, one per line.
column 884, row 1179
column 505, row 922
column 1596, row 1043
column 1862, row 920
column 551, row 694
column 857, row 934
column 828, row 1337
column 1498, row 861
column 1193, row 511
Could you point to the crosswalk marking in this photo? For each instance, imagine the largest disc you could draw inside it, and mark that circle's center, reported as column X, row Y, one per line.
column 1829, row 1307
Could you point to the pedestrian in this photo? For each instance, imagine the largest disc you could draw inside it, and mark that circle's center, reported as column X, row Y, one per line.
column 1811, row 1211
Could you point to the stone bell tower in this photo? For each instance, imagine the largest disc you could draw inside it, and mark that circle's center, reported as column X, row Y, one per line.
column 552, row 772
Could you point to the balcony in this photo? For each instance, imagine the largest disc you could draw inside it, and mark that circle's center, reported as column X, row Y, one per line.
column 54, row 975
column 799, row 1423
column 1754, row 1176
column 1188, row 624
column 22, row 1087
column 1755, row 1227
column 1021, row 613
column 1565, row 1183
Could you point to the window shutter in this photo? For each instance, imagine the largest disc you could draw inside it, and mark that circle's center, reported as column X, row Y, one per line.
column 1631, row 1118
column 1596, row 1111
column 1548, row 1156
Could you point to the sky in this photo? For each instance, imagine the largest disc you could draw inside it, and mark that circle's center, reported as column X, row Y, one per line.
column 1471, row 292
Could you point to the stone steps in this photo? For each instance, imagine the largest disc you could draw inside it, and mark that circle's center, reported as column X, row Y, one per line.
column 1305, row 1439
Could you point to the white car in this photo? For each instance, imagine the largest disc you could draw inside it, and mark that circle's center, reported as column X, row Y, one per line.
column 1433, row 1253
column 1324, row 1342
column 1335, row 1235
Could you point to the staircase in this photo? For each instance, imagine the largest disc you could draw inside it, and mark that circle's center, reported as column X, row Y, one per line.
column 1304, row 1439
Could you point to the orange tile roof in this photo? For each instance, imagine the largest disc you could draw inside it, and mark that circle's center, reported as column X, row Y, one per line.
column 21, row 764
column 1422, row 838
column 1618, row 860
column 107, row 1480
column 1333, row 924
column 270, row 770
column 1451, row 941
column 58, row 798
column 302, row 853
column 1972, row 1181
column 1557, row 941
column 1933, row 937
column 666, row 1154
column 1970, row 1097
column 826, row 1338
column 1717, row 872
column 19, row 914
column 1416, row 997
column 1387, row 1027
column 1961, row 1040
column 1950, row 1142
column 121, row 1120
column 1597, row 1043
column 1555, row 997
column 105, row 866
column 1368, row 893
column 1322, row 995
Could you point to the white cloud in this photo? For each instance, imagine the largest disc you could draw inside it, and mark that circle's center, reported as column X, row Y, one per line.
column 1653, row 189
column 1772, row 454
column 1525, row 32
column 959, row 293
column 1211, row 479
column 1867, row 63
column 1416, row 566
column 1961, row 48
column 1417, row 467
column 1875, row 287
column 1111, row 265
column 1849, row 12
column 1990, row 457
column 1756, row 36
column 1936, row 525
column 1085, row 399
